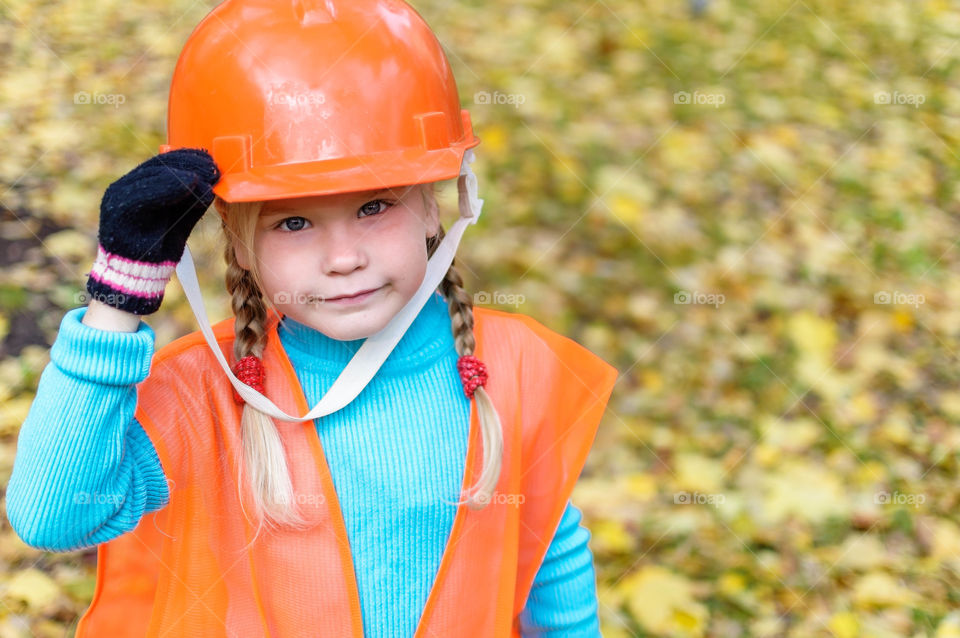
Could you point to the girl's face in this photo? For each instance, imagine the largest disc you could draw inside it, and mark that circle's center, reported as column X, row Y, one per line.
column 312, row 250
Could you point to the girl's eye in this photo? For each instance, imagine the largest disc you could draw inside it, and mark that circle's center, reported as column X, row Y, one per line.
column 373, row 207
column 295, row 226
column 370, row 209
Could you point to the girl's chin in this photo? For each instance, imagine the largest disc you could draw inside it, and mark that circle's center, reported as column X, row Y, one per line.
column 346, row 326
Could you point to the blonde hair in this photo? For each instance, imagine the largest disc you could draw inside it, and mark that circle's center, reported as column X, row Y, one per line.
column 263, row 456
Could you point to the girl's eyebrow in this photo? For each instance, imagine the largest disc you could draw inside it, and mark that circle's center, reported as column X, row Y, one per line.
column 396, row 190
column 361, row 196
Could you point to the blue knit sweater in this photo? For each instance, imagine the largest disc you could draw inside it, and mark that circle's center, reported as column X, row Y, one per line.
column 390, row 452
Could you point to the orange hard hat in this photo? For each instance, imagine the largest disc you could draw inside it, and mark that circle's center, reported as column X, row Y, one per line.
column 312, row 97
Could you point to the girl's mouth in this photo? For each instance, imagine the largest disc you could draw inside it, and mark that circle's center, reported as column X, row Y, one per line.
column 354, row 299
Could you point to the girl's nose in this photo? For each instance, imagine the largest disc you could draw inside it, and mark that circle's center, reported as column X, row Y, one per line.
column 343, row 248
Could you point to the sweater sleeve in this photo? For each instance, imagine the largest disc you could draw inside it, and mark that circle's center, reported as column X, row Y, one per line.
column 563, row 598
column 85, row 471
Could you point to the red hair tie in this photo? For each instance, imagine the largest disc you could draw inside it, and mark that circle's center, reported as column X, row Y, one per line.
column 473, row 374
column 249, row 370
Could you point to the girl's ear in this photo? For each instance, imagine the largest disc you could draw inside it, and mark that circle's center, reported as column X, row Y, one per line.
column 223, row 208
column 432, row 210
column 241, row 254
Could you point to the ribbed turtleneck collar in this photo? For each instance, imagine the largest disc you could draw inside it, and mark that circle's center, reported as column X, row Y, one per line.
column 428, row 338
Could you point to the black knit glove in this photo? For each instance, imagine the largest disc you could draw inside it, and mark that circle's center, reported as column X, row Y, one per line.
column 145, row 219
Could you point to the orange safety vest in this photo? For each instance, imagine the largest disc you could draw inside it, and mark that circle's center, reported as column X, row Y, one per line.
column 189, row 569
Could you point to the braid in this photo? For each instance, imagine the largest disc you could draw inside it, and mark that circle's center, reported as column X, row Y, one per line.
column 461, row 306
column 264, row 459
column 461, row 320
column 248, row 308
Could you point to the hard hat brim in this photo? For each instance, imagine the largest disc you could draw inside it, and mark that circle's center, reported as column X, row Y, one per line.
column 342, row 175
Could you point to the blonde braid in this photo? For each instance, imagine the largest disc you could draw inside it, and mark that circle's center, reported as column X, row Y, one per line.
column 263, row 454
column 248, row 309
column 461, row 318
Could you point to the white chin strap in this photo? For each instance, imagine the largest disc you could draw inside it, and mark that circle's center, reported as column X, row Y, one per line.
column 377, row 347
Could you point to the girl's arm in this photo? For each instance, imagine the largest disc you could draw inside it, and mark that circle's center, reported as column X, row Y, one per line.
column 85, row 471
column 563, row 598
column 104, row 317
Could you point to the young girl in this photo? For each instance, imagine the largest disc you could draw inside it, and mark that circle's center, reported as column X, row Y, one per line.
column 427, row 492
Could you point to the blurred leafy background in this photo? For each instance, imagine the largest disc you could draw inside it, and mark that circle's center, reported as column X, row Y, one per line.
column 749, row 208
